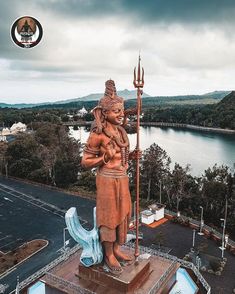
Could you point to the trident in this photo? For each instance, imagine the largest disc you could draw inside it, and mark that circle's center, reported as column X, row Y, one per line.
column 139, row 84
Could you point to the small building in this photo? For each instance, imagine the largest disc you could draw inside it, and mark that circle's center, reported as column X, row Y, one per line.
column 18, row 127
column 3, row 138
column 147, row 217
column 5, row 132
column 82, row 112
column 158, row 210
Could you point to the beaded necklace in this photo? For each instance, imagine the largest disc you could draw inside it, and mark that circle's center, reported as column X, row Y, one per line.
column 124, row 146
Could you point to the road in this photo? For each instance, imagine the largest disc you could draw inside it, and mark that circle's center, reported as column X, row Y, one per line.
column 30, row 212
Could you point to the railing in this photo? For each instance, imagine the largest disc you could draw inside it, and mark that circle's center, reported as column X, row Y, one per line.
column 48, row 267
column 66, row 285
column 197, row 273
column 175, row 259
column 77, row 289
column 196, row 222
column 162, row 279
column 3, row 288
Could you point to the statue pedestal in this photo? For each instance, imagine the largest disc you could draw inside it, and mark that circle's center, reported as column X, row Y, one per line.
column 133, row 275
column 155, row 275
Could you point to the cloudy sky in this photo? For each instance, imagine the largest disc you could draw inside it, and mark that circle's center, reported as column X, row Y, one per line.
column 187, row 47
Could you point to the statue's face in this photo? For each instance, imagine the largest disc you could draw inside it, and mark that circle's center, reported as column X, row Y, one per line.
column 115, row 115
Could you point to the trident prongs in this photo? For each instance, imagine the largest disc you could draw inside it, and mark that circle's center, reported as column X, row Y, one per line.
column 139, row 81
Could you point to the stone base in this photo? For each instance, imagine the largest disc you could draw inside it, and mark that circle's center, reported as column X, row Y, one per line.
column 71, row 277
column 133, row 275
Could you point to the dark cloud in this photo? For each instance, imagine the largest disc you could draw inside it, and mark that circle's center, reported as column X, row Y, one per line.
column 189, row 11
column 186, row 11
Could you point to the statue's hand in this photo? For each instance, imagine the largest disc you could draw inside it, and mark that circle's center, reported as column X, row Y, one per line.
column 110, row 152
column 133, row 155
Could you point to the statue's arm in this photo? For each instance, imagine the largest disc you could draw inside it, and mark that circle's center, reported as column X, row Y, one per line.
column 133, row 155
column 91, row 160
column 92, row 156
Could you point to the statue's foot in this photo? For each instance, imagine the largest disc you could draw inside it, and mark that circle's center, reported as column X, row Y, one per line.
column 113, row 264
column 121, row 255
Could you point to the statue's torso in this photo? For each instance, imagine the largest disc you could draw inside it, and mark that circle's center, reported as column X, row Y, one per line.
column 119, row 142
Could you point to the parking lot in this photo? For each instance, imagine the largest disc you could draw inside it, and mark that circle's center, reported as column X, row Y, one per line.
column 23, row 218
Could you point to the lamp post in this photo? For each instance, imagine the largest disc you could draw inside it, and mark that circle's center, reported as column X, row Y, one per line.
column 160, row 200
column 201, row 222
column 198, row 262
column 222, row 247
column 194, row 233
column 224, row 239
column 64, row 239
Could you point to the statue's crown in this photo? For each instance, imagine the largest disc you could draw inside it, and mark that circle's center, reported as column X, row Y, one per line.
column 110, row 96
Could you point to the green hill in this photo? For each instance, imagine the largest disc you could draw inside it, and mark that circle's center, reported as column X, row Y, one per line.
column 227, row 103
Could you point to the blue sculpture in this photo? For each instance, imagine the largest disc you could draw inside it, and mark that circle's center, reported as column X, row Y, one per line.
column 89, row 240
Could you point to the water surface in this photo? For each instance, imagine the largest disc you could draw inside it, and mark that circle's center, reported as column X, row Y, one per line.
column 197, row 148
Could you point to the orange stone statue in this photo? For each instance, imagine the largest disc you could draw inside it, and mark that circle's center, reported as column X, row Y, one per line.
column 107, row 149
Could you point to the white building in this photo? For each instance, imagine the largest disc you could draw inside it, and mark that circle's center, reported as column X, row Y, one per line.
column 82, row 112
column 147, row 217
column 18, row 127
column 3, row 138
column 158, row 211
column 5, row 132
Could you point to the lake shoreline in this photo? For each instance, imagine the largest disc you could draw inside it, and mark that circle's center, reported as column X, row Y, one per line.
column 165, row 124
column 187, row 126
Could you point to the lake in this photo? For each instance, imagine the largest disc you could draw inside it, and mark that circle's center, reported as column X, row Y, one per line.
column 197, row 148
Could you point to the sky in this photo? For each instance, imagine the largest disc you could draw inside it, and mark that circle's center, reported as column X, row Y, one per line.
column 186, row 47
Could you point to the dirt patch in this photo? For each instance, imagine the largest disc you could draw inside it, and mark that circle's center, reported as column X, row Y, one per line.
column 12, row 258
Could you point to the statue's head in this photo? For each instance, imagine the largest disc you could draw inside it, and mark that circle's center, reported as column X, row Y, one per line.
column 109, row 101
column 110, row 97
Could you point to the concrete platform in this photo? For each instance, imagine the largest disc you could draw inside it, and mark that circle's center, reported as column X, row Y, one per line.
column 151, row 273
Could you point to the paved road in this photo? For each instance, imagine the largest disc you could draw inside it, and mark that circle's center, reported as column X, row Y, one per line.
column 62, row 200
column 25, row 216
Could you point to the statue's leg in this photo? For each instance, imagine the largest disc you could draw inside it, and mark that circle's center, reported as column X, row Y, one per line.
column 108, row 237
column 121, row 255
column 120, row 240
column 110, row 258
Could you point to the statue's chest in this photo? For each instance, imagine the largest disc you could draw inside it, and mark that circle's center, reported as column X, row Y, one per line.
column 118, row 142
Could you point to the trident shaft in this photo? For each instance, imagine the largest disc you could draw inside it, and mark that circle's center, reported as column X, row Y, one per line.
column 138, row 84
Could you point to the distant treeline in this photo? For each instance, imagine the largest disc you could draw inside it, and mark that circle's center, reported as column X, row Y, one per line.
column 154, row 109
column 220, row 115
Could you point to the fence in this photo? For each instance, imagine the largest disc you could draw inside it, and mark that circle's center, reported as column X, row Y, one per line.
column 197, row 223
column 66, row 285
column 174, row 259
column 48, row 267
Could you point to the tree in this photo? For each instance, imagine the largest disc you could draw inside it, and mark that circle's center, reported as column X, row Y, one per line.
column 3, row 157
column 154, row 168
column 65, row 173
column 177, row 184
column 216, row 188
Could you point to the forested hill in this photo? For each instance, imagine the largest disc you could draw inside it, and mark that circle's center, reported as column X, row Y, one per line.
column 227, row 103
column 220, row 115
column 130, row 98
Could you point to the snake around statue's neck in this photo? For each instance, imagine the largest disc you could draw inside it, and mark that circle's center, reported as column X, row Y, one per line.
column 117, row 138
